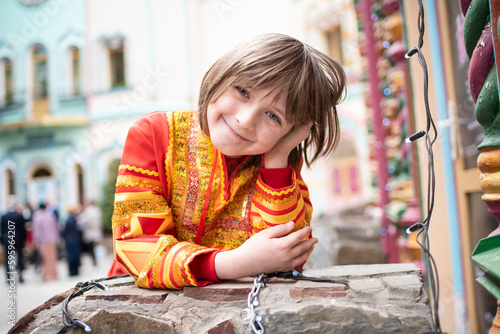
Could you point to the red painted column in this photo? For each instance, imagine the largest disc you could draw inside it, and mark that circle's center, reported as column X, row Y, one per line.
column 389, row 232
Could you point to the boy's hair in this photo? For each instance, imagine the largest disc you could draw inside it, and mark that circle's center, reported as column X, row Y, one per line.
column 314, row 84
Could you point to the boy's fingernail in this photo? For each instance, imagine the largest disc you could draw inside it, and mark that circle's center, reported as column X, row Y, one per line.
column 290, row 224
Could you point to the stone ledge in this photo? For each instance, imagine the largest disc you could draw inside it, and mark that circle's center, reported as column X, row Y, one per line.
column 130, row 294
column 305, row 289
column 229, row 291
column 372, row 303
column 104, row 322
column 23, row 323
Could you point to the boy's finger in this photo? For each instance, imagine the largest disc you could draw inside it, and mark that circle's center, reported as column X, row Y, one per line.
column 279, row 230
column 297, row 236
column 304, row 246
column 302, row 257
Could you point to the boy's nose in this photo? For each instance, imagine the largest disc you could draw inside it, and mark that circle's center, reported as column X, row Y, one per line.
column 246, row 118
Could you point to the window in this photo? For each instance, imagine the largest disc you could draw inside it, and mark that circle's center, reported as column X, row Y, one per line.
column 334, row 42
column 7, row 68
column 40, row 75
column 41, row 172
column 75, row 71
column 116, row 64
column 11, row 182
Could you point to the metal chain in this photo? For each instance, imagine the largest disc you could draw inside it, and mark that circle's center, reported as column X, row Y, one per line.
column 253, row 302
column 82, row 287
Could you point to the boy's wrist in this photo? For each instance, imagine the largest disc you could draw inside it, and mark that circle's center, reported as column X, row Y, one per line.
column 228, row 265
column 224, row 266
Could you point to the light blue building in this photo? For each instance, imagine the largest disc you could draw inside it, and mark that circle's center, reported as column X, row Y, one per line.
column 43, row 106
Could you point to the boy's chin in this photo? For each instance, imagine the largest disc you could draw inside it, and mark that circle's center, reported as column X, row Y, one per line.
column 230, row 154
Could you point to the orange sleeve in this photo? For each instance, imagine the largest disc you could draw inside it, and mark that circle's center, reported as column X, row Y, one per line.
column 272, row 207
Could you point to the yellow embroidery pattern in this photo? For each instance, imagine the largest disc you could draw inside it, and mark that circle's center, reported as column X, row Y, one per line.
column 140, row 170
column 302, row 183
column 137, row 184
column 264, row 199
column 274, row 193
column 126, row 208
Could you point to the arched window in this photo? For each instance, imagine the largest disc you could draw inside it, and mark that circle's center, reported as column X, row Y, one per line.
column 11, row 182
column 8, row 82
column 41, row 172
column 74, row 54
column 116, row 49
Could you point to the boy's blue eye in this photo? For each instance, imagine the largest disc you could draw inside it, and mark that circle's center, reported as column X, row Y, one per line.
column 273, row 117
column 242, row 91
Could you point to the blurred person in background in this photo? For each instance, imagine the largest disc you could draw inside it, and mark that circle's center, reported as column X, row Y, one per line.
column 13, row 237
column 73, row 241
column 45, row 239
column 90, row 221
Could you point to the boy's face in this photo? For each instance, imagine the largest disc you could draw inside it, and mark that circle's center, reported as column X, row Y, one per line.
column 246, row 121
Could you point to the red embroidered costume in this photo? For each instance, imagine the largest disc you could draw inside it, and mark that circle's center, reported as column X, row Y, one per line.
column 175, row 206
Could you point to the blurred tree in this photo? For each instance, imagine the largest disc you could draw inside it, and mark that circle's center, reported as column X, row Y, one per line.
column 108, row 195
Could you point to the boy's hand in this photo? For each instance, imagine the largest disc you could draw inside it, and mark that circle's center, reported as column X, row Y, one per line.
column 271, row 250
column 277, row 157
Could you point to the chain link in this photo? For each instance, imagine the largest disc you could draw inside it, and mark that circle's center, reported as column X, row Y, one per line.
column 253, row 302
column 260, row 281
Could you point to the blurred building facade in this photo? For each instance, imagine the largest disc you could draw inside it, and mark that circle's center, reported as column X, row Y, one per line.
column 43, row 105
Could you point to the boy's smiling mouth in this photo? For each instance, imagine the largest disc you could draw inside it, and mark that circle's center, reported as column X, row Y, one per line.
column 234, row 132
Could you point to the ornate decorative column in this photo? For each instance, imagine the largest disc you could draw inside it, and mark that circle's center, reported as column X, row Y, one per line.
column 481, row 40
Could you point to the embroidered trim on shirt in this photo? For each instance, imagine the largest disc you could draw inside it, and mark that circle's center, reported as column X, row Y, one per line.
column 272, row 192
column 140, row 170
column 137, row 184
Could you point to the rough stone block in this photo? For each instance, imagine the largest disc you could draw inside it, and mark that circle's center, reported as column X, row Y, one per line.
column 307, row 289
column 105, row 322
column 369, row 285
column 337, row 272
column 404, row 286
column 25, row 321
column 133, row 295
column 230, row 291
column 225, row 327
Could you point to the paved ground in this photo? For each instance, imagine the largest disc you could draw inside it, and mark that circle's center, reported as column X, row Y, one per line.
column 33, row 292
